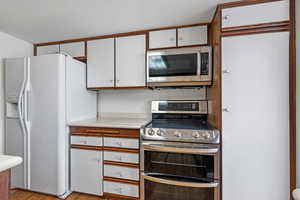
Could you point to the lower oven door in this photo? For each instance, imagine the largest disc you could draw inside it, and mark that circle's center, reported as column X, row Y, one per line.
column 164, row 187
column 179, row 171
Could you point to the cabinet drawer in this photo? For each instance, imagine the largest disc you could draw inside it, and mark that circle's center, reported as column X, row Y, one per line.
column 121, row 157
column 121, row 143
column 88, row 141
column 121, row 189
column 277, row 11
column 121, row 172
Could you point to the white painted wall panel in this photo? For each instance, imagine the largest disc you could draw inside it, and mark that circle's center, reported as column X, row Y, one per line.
column 10, row 47
column 138, row 101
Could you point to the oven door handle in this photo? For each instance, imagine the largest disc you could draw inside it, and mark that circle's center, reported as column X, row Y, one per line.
column 160, row 148
column 179, row 183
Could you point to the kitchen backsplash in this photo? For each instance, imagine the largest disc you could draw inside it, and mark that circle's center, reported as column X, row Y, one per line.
column 138, row 101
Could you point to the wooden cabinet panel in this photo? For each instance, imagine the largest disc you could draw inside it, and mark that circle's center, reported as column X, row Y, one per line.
column 162, row 39
column 130, row 61
column 86, row 171
column 276, row 11
column 44, row 50
column 196, row 35
column 100, row 63
column 75, row 49
column 255, row 100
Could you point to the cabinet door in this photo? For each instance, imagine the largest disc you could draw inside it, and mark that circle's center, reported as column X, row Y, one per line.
column 130, row 61
column 162, row 39
column 256, row 14
column 75, row 49
column 192, row 35
column 255, row 93
column 100, row 63
column 86, row 171
column 44, row 50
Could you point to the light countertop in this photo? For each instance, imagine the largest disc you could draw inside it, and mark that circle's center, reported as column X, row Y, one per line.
column 7, row 162
column 121, row 120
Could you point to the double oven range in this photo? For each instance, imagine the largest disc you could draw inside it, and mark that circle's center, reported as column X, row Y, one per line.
column 180, row 153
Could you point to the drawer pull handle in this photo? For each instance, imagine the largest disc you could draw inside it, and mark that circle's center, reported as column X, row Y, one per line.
column 83, row 141
column 120, row 174
column 119, row 190
column 119, row 158
column 103, row 131
column 119, row 144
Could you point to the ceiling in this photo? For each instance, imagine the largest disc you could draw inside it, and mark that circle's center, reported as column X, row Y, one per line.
column 52, row 20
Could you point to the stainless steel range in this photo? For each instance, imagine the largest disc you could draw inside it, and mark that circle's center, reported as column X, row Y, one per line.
column 180, row 153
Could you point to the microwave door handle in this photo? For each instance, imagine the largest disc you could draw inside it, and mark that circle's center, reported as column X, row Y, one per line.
column 153, row 147
column 179, row 183
column 199, row 63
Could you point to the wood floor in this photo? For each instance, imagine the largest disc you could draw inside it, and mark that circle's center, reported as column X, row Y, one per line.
column 24, row 195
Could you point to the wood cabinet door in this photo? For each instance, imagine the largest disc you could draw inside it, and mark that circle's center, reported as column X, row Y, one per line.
column 100, row 63
column 276, row 11
column 162, row 39
column 130, row 61
column 255, row 118
column 86, row 171
column 195, row 35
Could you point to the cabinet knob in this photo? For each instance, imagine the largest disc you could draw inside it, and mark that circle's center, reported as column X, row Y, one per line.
column 119, row 144
column 172, row 39
column 111, row 81
column 225, row 71
column 83, row 141
column 180, row 38
column 226, row 17
column 225, row 109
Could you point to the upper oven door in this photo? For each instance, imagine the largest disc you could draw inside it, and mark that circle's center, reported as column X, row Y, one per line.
column 173, row 65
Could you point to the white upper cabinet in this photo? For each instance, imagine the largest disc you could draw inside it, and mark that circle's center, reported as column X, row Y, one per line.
column 75, row 49
column 276, row 11
column 162, row 39
column 130, row 61
column 44, row 50
column 100, row 63
column 192, row 35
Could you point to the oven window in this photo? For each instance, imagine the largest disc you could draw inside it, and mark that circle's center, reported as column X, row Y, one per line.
column 159, row 191
column 197, row 168
column 173, row 65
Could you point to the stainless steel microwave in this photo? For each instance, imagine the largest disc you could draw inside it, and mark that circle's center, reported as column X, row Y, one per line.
column 179, row 66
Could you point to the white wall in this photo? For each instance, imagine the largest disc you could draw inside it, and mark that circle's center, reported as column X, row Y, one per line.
column 138, row 101
column 9, row 47
column 298, row 88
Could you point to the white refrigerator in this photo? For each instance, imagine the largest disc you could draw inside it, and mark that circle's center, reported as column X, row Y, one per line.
column 43, row 94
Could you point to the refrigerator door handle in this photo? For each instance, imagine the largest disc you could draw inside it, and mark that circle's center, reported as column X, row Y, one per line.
column 21, row 118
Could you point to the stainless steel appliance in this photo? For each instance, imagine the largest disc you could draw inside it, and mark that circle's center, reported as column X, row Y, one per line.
column 179, row 66
column 180, row 153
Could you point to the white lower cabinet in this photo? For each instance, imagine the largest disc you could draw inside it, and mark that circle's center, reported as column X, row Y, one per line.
column 255, row 119
column 121, row 157
column 86, row 171
column 121, row 172
column 121, row 189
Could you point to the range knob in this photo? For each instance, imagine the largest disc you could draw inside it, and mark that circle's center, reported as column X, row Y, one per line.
column 177, row 134
column 196, row 135
column 206, row 136
column 151, row 132
column 159, row 132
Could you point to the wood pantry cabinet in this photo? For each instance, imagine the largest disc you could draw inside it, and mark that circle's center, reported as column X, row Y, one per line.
column 116, row 62
column 115, row 152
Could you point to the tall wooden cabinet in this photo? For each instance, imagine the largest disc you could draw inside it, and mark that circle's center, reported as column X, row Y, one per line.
column 255, row 119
